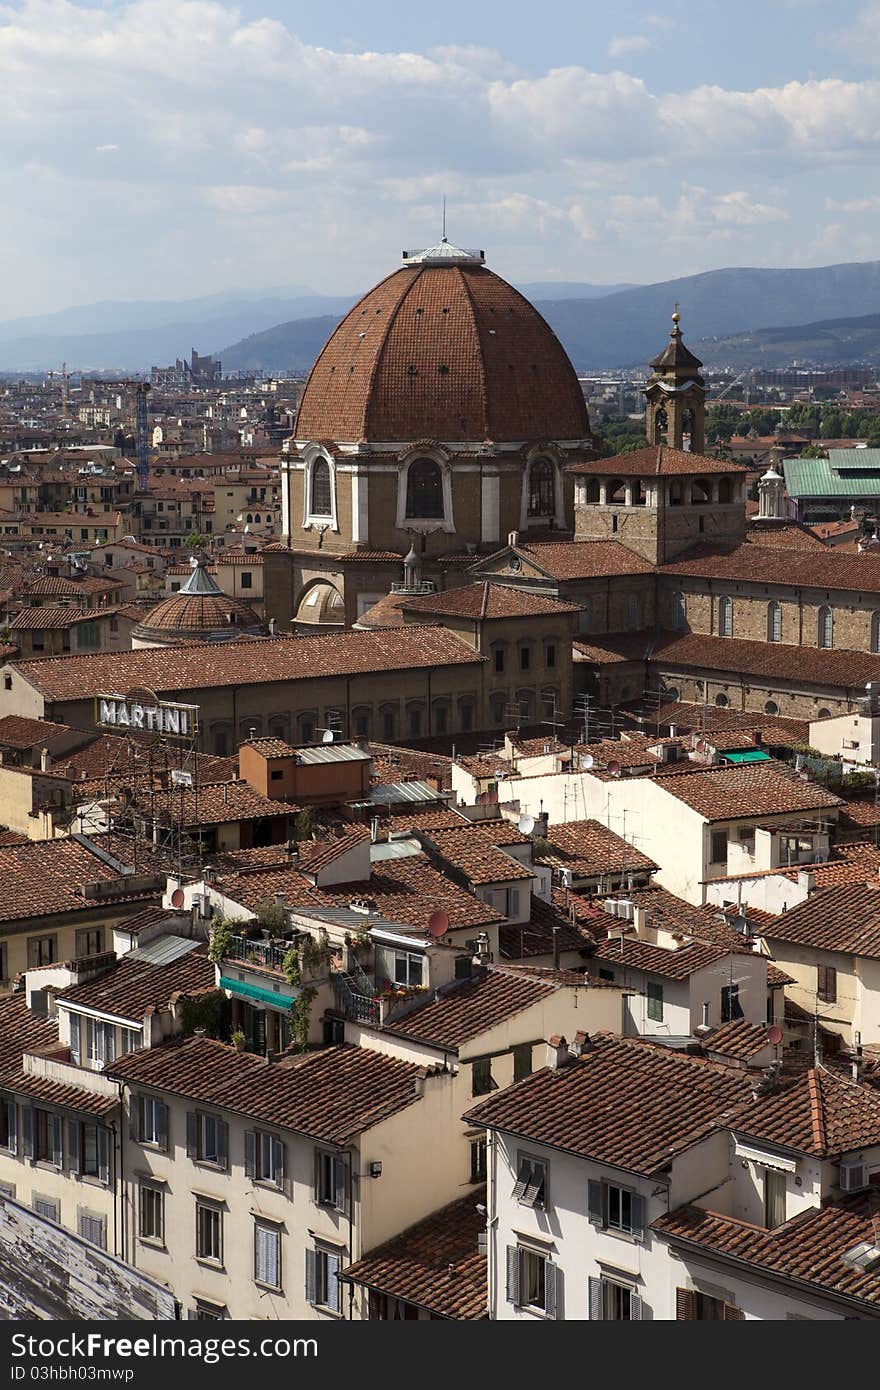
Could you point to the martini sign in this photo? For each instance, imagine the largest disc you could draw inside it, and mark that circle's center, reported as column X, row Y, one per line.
column 142, row 710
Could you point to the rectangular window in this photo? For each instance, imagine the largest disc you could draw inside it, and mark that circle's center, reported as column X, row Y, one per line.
column 531, row 1181
column 209, row 1232
column 93, row 1229
column 264, row 1157
column 47, row 1137
column 8, row 1124
column 100, row 1043
column 482, row 1081
column 522, row 1061
column 719, row 846
column 267, row 1255
column 90, row 941
column 208, row 1312
column 525, row 658
column 478, row 1160
column 774, row 1199
column 731, row 1008
column 206, row 1138
column 129, row 1040
column 150, row 1121
column 90, row 1149
column 532, row 1279
column 614, row 1208
column 47, row 1208
column 151, row 1212
column 613, row 1302
column 247, row 580
column 331, row 1180
column 322, row 1284
column 826, row 983
column 654, row 994
column 550, row 654
column 499, row 660
column 42, row 950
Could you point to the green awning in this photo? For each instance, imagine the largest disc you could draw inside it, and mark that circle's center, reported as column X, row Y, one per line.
column 243, row 990
column 748, row 755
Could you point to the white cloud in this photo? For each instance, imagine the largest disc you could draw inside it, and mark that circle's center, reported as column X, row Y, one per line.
column 633, row 43
column 230, row 123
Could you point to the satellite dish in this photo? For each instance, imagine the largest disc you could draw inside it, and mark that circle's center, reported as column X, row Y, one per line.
column 614, row 769
column 438, row 923
column 327, row 736
column 774, row 1034
column 587, row 760
column 526, row 825
column 178, row 898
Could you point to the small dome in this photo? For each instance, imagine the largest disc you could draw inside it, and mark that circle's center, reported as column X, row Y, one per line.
column 199, row 612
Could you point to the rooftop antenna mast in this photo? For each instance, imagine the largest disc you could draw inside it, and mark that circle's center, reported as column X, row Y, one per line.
column 444, row 216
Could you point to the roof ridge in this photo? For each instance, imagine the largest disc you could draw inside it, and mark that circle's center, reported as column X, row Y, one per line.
column 817, row 1109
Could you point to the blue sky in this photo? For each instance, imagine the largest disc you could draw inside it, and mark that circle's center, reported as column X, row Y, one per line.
column 173, row 148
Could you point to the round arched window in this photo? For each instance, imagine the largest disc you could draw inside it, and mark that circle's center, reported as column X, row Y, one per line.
column 542, row 493
column 722, row 701
column 771, row 707
column 321, row 500
column 424, row 491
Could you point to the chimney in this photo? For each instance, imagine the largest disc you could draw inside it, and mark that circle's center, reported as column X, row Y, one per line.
column 271, row 627
column 279, row 899
column 807, row 880
column 558, row 1054
column 640, row 919
column 857, row 1063
column 45, row 760
column 374, row 829
column 673, row 731
column 581, row 1044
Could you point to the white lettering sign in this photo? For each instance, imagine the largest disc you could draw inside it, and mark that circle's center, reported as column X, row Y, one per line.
column 164, row 717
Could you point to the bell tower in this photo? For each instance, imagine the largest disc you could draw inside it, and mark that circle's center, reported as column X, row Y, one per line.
column 675, row 413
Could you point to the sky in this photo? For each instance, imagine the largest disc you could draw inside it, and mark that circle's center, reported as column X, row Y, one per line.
column 165, row 149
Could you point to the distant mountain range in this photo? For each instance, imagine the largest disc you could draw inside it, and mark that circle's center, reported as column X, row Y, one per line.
column 626, row 328
column 726, row 315
column 822, row 344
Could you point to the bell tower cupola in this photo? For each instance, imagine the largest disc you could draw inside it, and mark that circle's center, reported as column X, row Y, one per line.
column 676, row 396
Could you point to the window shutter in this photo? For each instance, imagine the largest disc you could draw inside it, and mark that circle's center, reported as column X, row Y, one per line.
column 597, row 1303
column 135, row 1111
column 513, row 1274
column 596, row 1200
column 192, row 1134
column 74, row 1143
column 222, row 1143
column 552, row 1288
column 732, row 1314
column 250, row 1153
column 831, row 984
column 162, row 1123
column 12, row 1122
column 311, row 1276
column 523, row 1177
column 318, row 1157
column 277, row 1161
column 267, row 1250
column 636, row 1311
column 109, row 1043
column 75, row 1045
column 333, row 1289
column 685, row 1305
column 637, row 1215
column 340, row 1182
column 57, row 1141
column 103, row 1154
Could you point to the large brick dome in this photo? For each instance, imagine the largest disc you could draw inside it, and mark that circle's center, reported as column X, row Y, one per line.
column 443, row 349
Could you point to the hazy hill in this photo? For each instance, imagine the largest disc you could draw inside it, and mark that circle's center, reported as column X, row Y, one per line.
column 629, row 327
column 830, row 341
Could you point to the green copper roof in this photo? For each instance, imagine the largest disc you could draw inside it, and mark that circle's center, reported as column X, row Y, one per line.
column 817, row 478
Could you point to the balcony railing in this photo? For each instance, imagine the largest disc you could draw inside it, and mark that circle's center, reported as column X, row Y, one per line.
column 361, row 1008
column 260, row 953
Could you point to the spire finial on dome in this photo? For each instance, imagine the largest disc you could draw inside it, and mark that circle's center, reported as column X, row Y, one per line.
column 676, row 317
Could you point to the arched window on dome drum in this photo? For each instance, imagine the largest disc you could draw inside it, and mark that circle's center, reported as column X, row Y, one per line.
column 424, row 490
column 774, row 621
column 542, row 492
column 321, row 501
column 825, row 634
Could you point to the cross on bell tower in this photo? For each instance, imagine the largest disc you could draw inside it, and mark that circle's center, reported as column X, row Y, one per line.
column 676, row 396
